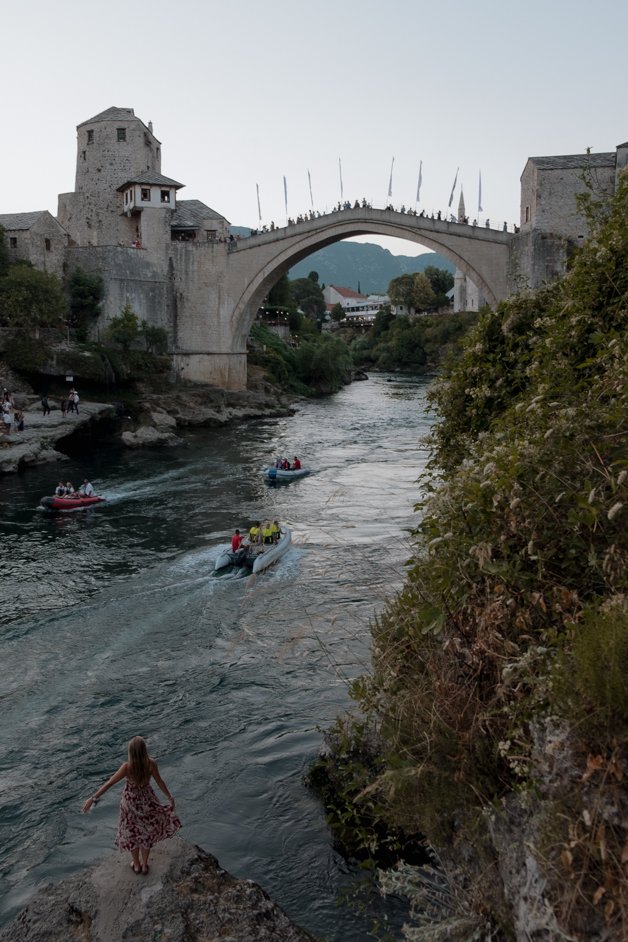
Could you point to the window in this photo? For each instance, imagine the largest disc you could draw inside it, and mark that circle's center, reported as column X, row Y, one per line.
column 48, row 244
column 84, row 154
column 527, row 214
column 121, row 132
column 13, row 242
column 146, row 194
column 90, row 137
column 165, row 196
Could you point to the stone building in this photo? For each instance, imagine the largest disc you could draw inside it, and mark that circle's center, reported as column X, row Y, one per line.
column 36, row 238
column 551, row 225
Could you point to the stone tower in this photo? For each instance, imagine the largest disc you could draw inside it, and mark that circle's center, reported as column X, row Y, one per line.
column 115, row 148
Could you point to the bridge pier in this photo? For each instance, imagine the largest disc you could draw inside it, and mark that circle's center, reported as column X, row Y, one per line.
column 226, row 370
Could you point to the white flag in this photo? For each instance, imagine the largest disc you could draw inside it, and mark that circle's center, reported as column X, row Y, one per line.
column 451, row 198
column 480, row 193
column 418, row 188
column 390, row 181
column 259, row 209
column 340, row 172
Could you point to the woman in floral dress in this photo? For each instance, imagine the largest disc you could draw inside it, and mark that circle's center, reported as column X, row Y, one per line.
column 144, row 821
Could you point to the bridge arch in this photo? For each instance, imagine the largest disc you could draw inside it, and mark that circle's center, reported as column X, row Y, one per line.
column 260, row 260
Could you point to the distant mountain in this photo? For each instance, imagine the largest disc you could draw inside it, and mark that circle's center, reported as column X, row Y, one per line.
column 363, row 264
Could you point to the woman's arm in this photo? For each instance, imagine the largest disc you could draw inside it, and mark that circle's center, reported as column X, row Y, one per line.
column 116, row 777
column 161, row 783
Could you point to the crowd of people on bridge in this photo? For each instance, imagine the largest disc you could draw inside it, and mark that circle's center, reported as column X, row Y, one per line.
column 344, row 205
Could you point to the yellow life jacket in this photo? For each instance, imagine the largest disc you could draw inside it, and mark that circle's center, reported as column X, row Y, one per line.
column 253, row 533
column 267, row 533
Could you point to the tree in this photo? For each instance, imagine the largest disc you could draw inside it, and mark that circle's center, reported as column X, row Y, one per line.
column 422, row 295
column 413, row 291
column 31, row 299
column 308, row 296
column 441, row 281
column 125, row 328
column 280, row 296
column 86, row 291
column 155, row 338
column 400, row 291
column 313, row 276
column 337, row 312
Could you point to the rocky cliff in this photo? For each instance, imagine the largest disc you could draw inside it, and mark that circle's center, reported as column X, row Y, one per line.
column 186, row 897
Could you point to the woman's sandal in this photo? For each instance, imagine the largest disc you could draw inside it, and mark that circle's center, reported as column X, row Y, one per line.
column 145, row 869
column 136, row 868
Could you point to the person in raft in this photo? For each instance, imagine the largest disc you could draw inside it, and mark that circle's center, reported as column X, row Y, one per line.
column 143, row 820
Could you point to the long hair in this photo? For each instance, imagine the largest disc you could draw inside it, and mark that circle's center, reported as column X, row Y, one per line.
column 139, row 762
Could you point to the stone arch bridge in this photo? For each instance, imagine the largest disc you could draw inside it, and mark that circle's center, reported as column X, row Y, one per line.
column 219, row 287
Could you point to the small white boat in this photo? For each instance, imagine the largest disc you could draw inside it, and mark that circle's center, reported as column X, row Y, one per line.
column 278, row 474
column 255, row 556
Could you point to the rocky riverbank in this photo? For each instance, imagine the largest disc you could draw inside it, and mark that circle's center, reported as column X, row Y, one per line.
column 147, row 419
column 186, row 897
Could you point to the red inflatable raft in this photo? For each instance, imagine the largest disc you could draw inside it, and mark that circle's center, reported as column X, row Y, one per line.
column 69, row 503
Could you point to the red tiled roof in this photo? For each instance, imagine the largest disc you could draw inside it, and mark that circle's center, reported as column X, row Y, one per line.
column 347, row 292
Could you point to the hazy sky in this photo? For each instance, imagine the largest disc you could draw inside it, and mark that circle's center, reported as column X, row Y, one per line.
column 243, row 92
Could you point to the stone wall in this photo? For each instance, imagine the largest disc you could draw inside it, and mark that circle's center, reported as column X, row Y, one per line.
column 132, row 276
column 538, row 258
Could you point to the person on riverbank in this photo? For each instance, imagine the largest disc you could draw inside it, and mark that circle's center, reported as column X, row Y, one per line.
column 45, row 406
column 143, row 820
column 6, row 416
column 63, row 405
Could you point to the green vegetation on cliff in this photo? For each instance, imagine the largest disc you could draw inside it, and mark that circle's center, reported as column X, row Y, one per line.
column 320, row 364
column 410, row 344
column 498, row 681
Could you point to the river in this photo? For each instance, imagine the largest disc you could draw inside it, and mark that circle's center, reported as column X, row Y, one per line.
column 112, row 624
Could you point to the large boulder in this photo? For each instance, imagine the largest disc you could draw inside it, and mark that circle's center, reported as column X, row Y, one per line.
column 186, row 897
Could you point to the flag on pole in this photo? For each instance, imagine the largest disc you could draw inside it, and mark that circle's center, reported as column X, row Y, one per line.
column 418, row 188
column 309, row 180
column 390, row 181
column 259, row 209
column 451, row 198
column 340, row 172
column 480, row 193
column 285, row 194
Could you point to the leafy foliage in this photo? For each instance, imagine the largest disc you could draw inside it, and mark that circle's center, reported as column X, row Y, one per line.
column 400, row 343
column 86, row 291
column 308, row 296
column 30, row 299
column 319, row 365
column 514, row 615
column 125, row 328
column 155, row 338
